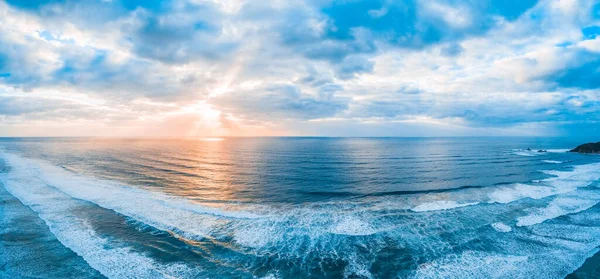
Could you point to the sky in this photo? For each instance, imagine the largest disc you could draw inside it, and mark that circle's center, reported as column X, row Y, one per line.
column 205, row 68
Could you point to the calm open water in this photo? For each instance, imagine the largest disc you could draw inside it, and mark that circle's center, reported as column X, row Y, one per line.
column 298, row 208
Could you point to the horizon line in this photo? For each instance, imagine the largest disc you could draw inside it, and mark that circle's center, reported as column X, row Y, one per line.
column 299, row 136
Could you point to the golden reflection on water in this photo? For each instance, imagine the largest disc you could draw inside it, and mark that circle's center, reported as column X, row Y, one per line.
column 213, row 171
column 209, row 171
column 206, row 170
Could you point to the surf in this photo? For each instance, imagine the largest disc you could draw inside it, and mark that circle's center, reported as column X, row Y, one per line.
column 342, row 236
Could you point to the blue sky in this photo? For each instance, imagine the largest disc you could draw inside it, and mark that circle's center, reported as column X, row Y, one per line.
column 187, row 68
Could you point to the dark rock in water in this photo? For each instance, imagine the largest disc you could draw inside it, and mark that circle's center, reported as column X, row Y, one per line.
column 528, row 149
column 542, row 151
column 588, row 148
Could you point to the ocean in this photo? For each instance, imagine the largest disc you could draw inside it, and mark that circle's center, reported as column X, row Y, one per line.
column 298, row 208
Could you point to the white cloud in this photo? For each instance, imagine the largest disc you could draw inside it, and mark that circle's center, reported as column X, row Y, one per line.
column 233, row 67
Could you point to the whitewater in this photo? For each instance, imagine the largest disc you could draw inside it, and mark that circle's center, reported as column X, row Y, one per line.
column 544, row 224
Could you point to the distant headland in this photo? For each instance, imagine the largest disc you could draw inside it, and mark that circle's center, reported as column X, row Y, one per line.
column 591, row 147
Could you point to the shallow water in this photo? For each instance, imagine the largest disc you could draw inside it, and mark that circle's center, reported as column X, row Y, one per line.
column 302, row 207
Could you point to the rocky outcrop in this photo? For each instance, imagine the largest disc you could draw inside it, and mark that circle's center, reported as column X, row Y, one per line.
column 588, row 148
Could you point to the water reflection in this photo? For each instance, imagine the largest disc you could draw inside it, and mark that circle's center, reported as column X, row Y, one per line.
column 288, row 170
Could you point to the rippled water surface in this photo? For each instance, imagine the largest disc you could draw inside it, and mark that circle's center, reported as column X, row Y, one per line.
column 298, row 208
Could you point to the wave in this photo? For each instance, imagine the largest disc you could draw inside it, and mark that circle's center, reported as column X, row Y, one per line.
column 546, row 250
column 552, row 162
column 147, row 205
column 353, row 226
column 316, row 228
column 473, row 264
column 56, row 210
column 354, row 231
column 156, row 209
column 534, row 152
column 441, row 205
column 518, row 191
column 561, row 182
column 564, row 205
column 527, row 153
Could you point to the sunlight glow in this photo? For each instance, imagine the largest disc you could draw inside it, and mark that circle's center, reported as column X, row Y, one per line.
column 212, row 139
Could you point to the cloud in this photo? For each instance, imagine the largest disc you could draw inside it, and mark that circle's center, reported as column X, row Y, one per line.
column 184, row 35
column 583, row 74
column 281, row 101
column 352, row 66
column 18, row 105
column 416, row 24
column 571, row 66
column 302, row 67
column 452, row 50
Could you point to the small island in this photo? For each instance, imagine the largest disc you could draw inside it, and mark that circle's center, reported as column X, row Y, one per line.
column 591, row 147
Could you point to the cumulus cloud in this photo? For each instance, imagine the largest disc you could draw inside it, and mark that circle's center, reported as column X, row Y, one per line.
column 302, row 67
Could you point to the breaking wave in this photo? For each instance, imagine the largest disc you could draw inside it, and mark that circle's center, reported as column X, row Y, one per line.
column 432, row 235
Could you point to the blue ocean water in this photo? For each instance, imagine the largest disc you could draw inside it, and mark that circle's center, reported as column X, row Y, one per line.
column 298, row 208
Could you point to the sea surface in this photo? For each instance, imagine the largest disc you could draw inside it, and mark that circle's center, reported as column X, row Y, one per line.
column 298, row 208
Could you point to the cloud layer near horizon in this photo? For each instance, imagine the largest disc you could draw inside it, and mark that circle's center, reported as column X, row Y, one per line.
column 312, row 67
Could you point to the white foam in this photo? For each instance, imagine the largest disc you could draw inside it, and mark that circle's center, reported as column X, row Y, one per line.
column 265, row 229
column 586, row 234
column 554, row 172
column 357, row 268
column 353, row 226
column 109, row 256
column 508, row 194
column 501, row 227
column 161, row 211
column 559, row 207
column 335, row 230
column 544, row 264
column 579, row 176
column 472, row 264
column 295, row 227
column 440, row 205
column 270, row 276
column 562, row 182
column 552, row 162
column 534, row 152
column 527, row 153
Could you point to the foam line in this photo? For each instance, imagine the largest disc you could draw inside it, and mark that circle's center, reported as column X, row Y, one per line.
column 508, row 194
column 441, row 205
column 109, row 256
column 552, row 162
column 330, row 230
column 561, row 182
column 574, row 203
column 161, row 211
column 473, row 264
column 527, row 153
